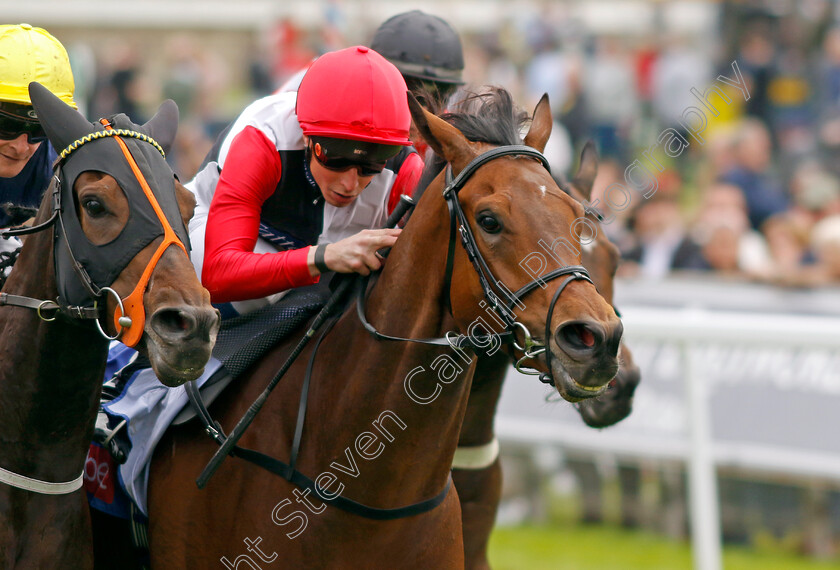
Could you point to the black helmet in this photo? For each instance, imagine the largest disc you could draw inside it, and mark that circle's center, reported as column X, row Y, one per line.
column 422, row 46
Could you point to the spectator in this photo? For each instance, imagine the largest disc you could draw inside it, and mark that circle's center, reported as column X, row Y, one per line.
column 678, row 69
column 787, row 235
column 753, row 175
column 722, row 231
column 825, row 241
column 610, row 88
column 815, row 191
column 663, row 243
column 756, row 55
column 825, row 271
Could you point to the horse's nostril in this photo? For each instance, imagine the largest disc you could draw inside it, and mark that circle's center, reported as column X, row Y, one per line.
column 173, row 321
column 586, row 336
column 579, row 336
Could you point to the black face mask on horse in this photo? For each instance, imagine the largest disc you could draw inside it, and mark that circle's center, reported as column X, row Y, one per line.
column 135, row 156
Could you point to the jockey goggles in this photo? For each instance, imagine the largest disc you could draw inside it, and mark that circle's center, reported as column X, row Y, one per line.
column 16, row 120
column 341, row 154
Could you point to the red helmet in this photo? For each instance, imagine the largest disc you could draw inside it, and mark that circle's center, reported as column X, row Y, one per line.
column 354, row 93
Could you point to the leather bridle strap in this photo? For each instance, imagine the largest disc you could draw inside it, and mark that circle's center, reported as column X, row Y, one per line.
column 41, row 306
column 456, row 215
column 546, row 378
column 454, row 340
column 575, row 272
column 485, row 157
column 27, row 230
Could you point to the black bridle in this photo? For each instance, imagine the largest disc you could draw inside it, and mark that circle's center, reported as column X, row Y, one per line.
column 497, row 295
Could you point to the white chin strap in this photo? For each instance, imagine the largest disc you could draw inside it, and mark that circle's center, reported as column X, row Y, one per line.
column 36, row 486
column 478, row 457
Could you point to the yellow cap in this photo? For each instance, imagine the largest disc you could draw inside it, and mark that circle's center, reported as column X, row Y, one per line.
column 31, row 54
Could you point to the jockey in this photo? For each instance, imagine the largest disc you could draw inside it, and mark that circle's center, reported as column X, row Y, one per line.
column 303, row 176
column 428, row 54
column 425, row 49
column 26, row 54
column 292, row 189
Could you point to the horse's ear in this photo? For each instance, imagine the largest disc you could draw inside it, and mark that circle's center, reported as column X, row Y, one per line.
column 163, row 126
column 541, row 125
column 62, row 123
column 443, row 138
column 588, row 169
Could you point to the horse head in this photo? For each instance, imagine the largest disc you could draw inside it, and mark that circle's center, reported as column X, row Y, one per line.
column 527, row 232
column 121, row 238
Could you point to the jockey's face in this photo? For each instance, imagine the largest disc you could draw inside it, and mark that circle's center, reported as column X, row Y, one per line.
column 339, row 187
column 14, row 154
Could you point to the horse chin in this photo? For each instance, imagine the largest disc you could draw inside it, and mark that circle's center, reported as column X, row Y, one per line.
column 569, row 387
column 175, row 365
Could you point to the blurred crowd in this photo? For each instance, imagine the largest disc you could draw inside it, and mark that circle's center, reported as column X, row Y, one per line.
column 758, row 198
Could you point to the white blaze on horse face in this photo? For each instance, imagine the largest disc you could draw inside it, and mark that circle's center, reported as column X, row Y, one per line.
column 542, row 189
column 588, row 247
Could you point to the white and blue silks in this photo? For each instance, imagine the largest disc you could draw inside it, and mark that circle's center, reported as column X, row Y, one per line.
column 148, row 407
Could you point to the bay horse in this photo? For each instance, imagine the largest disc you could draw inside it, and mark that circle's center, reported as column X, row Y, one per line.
column 383, row 415
column 476, row 470
column 477, row 473
column 58, row 304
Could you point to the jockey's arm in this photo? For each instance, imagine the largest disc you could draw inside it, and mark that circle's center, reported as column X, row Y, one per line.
column 232, row 272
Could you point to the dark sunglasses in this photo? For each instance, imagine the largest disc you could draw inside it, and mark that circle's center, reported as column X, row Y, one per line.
column 11, row 128
column 340, row 163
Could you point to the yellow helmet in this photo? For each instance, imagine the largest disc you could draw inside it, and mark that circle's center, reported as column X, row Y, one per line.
column 31, row 54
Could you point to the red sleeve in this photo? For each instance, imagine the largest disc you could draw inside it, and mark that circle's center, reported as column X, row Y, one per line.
column 232, row 272
column 407, row 179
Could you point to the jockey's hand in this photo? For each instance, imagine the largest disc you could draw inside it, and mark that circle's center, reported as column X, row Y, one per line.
column 357, row 253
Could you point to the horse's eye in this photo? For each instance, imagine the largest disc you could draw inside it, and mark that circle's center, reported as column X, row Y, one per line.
column 94, row 207
column 489, row 223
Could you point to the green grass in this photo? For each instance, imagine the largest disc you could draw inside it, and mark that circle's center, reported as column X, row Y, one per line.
column 575, row 547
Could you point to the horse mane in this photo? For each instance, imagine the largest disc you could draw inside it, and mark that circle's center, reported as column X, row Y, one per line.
column 489, row 116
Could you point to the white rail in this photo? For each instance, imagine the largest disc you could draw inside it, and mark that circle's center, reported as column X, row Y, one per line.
column 689, row 332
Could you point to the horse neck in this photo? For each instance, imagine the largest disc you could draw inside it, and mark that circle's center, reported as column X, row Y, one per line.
column 407, row 301
column 51, row 375
column 415, row 268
